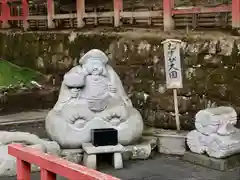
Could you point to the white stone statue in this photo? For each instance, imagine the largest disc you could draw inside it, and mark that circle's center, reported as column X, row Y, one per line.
column 215, row 132
column 92, row 96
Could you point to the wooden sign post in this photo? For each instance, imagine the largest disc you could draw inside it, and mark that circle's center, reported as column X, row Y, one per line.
column 173, row 71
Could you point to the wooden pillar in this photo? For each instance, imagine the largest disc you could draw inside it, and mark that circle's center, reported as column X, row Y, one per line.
column 5, row 14
column 118, row 6
column 50, row 13
column 168, row 21
column 235, row 14
column 25, row 14
column 80, row 13
column 23, row 170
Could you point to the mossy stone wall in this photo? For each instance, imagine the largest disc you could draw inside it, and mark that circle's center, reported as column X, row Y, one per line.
column 211, row 67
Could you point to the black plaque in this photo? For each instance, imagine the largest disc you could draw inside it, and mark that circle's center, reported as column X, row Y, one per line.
column 104, row 137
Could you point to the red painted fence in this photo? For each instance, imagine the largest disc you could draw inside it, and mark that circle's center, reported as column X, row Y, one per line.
column 51, row 166
column 168, row 12
column 6, row 16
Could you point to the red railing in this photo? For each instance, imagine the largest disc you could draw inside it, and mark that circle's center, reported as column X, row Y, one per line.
column 168, row 12
column 50, row 166
column 6, row 15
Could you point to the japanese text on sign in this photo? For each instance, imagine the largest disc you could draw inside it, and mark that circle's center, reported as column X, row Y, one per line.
column 172, row 63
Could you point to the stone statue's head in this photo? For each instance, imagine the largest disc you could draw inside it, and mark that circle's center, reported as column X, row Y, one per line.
column 94, row 62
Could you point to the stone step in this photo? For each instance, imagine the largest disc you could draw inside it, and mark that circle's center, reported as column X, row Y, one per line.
column 228, row 163
column 24, row 117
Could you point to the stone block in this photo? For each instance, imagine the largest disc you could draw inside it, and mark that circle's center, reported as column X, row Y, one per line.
column 127, row 154
column 72, row 155
column 66, row 152
column 172, row 142
column 168, row 141
column 52, row 147
column 90, row 160
column 138, row 151
column 142, row 150
column 90, row 155
column 117, row 161
column 212, row 163
column 90, row 149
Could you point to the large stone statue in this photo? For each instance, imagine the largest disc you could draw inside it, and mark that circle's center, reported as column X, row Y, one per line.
column 92, row 96
column 215, row 133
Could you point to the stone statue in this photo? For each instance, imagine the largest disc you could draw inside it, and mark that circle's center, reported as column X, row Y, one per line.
column 8, row 163
column 215, row 133
column 92, row 96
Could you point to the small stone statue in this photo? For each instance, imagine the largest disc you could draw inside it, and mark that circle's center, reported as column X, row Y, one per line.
column 92, row 96
column 215, row 133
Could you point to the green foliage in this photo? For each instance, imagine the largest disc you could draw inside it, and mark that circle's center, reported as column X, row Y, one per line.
column 15, row 76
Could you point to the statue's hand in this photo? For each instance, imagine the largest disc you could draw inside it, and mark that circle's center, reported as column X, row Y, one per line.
column 123, row 113
column 74, row 79
column 74, row 92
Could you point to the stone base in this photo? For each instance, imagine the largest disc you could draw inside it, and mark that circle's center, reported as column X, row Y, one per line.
column 212, row 163
column 168, row 141
column 172, row 142
column 143, row 150
column 90, row 155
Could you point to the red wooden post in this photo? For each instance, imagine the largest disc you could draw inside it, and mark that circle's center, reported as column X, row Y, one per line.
column 168, row 22
column 47, row 175
column 25, row 13
column 235, row 14
column 118, row 6
column 50, row 13
column 5, row 13
column 80, row 13
column 23, row 170
column 51, row 164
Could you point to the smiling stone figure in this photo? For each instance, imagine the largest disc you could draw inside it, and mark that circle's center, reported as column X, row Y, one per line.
column 91, row 97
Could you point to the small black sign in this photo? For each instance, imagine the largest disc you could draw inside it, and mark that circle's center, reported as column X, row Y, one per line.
column 104, row 137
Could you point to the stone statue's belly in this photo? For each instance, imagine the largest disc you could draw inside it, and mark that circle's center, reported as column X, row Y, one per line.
column 95, row 93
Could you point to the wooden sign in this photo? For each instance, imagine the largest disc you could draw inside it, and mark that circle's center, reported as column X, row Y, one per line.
column 173, row 68
column 173, row 71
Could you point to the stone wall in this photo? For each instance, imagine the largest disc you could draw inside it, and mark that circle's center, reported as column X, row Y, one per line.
column 210, row 63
